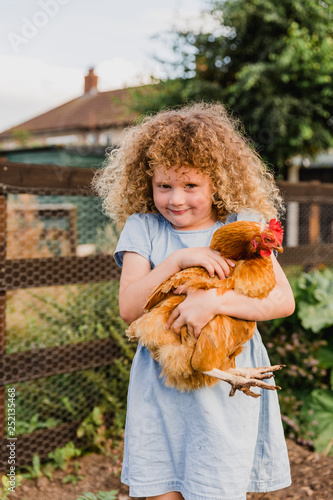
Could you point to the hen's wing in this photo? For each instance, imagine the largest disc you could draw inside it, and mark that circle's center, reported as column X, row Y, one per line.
column 193, row 277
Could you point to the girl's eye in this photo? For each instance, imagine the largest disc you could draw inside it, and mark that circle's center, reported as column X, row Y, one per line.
column 164, row 186
column 191, row 186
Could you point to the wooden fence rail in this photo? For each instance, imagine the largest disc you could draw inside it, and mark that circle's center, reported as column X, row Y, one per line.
column 28, row 365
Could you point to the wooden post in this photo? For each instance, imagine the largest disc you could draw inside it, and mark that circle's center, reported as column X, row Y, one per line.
column 314, row 221
column 293, row 211
column 72, row 229
column 3, row 214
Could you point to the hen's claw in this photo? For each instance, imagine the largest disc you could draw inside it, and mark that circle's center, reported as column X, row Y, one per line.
column 243, row 379
column 258, row 373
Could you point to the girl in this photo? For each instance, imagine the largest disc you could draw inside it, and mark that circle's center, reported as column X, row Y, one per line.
column 179, row 176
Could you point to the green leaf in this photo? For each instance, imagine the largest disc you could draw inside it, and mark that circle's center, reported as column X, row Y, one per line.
column 108, row 495
column 87, row 496
column 314, row 296
column 325, row 356
column 320, row 419
column 97, row 416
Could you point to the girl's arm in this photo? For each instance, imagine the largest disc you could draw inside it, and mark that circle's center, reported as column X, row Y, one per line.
column 201, row 306
column 137, row 280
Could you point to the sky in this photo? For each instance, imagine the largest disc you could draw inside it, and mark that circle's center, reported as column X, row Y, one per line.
column 47, row 46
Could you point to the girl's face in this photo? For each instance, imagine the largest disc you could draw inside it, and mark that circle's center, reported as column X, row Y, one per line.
column 184, row 198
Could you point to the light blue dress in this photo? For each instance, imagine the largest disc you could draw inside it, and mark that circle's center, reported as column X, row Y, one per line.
column 204, row 444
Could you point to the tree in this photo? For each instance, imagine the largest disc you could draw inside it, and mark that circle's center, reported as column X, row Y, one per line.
column 270, row 63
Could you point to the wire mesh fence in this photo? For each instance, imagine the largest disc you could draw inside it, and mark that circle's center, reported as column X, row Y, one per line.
column 63, row 348
column 308, row 224
column 61, row 337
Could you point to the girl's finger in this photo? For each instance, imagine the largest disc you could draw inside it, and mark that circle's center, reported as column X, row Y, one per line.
column 231, row 262
column 210, row 268
column 173, row 316
column 190, row 329
column 222, row 270
column 196, row 331
column 176, row 325
column 176, row 328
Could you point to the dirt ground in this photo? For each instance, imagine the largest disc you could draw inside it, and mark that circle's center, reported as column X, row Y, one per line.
column 312, row 477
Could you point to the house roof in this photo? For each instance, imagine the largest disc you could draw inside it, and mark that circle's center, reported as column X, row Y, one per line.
column 92, row 110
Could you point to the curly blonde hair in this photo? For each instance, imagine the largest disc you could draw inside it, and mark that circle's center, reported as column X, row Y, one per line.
column 201, row 136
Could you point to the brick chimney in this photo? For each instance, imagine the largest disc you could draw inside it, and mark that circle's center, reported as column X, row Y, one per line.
column 90, row 82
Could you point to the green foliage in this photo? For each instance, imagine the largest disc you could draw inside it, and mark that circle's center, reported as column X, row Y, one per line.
column 95, row 432
column 270, row 63
column 314, row 295
column 101, row 495
column 103, row 439
column 88, row 312
column 318, row 418
column 4, row 489
column 34, row 471
column 26, row 427
column 73, row 478
column 62, row 456
column 59, row 459
column 303, row 342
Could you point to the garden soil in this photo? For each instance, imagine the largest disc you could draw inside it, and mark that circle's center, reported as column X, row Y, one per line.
column 312, row 476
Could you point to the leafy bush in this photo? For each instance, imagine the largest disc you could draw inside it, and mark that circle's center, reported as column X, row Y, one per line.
column 303, row 343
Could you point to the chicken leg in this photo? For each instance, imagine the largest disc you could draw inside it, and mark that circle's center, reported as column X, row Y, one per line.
column 243, row 378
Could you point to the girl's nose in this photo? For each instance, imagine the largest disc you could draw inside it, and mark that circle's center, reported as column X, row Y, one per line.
column 177, row 197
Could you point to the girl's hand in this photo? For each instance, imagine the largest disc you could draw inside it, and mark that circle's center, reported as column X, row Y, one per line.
column 205, row 257
column 195, row 311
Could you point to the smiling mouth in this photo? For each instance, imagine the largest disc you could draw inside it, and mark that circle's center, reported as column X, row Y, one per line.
column 177, row 212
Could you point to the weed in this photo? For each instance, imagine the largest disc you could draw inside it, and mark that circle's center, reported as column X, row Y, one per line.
column 62, row 456
column 4, row 489
column 101, row 495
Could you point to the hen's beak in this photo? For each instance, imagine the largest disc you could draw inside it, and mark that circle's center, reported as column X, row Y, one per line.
column 279, row 248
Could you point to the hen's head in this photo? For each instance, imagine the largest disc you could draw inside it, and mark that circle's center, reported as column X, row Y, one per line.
column 246, row 239
column 270, row 239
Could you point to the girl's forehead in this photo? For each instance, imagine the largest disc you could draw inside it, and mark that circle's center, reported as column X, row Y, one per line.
column 177, row 173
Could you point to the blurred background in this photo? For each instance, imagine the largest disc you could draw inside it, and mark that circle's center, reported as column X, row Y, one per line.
column 74, row 74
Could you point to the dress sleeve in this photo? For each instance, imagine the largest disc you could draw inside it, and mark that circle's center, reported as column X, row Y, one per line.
column 135, row 237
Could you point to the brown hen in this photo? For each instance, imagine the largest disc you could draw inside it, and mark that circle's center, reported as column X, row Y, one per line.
column 189, row 362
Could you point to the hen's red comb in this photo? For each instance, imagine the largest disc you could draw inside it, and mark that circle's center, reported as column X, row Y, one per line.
column 276, row 226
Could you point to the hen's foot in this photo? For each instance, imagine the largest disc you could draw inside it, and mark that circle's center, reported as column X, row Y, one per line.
column 242, row 383
column 258, row 373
